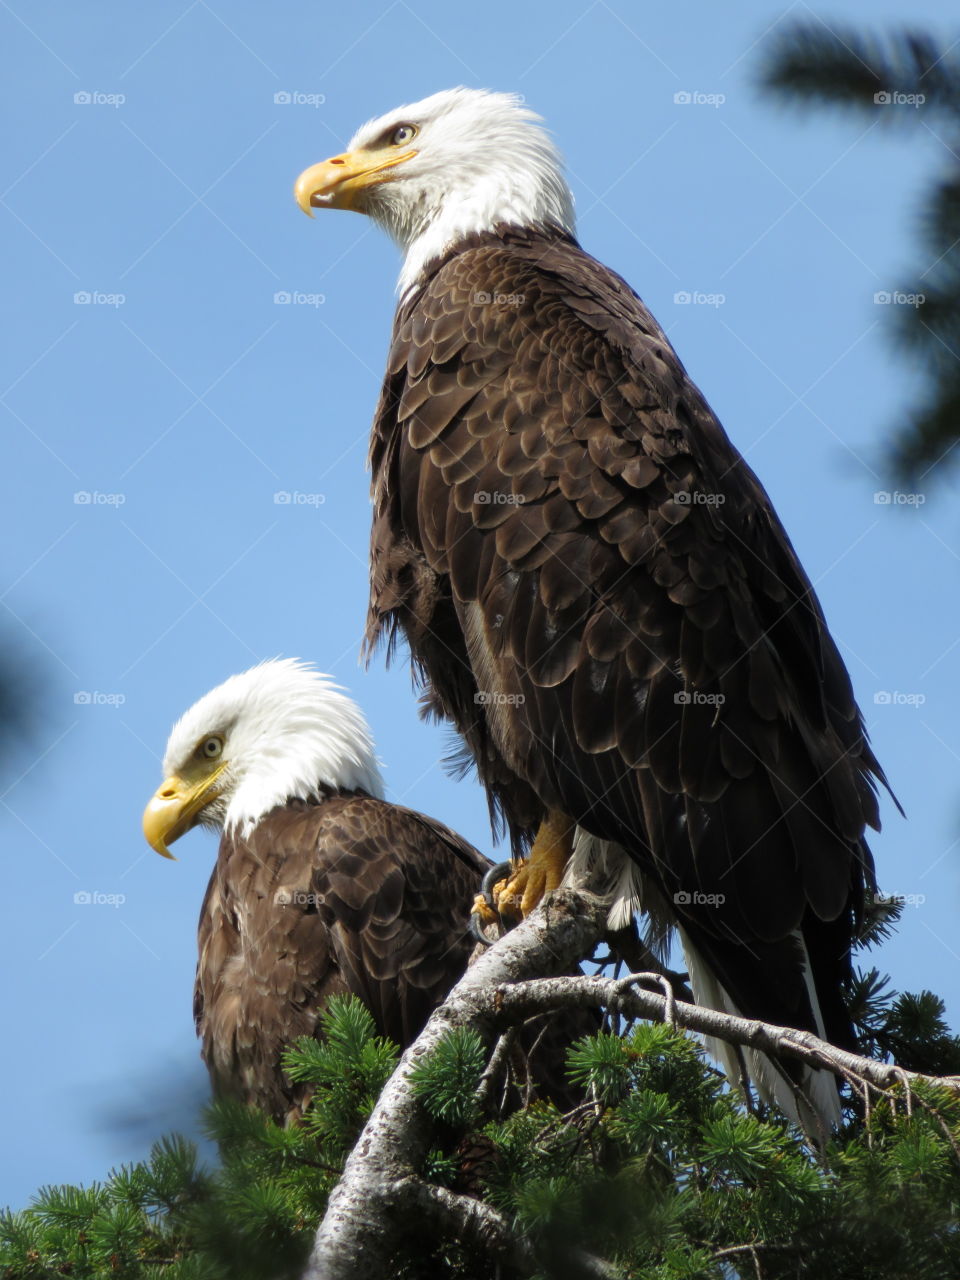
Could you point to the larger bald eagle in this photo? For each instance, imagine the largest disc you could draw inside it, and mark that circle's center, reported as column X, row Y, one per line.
column 321, row 887
column 594, row 585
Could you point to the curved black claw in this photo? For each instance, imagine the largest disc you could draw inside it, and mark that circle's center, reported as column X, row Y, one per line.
column 500, row 871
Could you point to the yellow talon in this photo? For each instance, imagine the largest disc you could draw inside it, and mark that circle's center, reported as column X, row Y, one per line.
column 542, row 871
column 483, row 909
column 508, row 894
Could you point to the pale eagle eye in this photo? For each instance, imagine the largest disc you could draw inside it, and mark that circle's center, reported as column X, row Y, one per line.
column 403, row 133
column 211, row 747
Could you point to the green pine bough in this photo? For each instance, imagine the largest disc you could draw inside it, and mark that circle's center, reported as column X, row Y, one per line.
column 661, row 1172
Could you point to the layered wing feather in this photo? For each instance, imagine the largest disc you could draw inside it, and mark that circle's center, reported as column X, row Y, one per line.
column 349, row 896
column 601, row 598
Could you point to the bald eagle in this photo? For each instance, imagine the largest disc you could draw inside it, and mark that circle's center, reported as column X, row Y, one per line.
column 594, row 586
column 321, row 887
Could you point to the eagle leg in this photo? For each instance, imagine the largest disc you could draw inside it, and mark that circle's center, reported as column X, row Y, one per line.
column 542, row 871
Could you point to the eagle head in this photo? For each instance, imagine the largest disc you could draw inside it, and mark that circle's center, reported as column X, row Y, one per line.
column 433, row 172
column 280, row 731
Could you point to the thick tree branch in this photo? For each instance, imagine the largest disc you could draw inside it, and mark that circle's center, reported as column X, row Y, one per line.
column 369, row 1212
column 360, row 1233
column 516, row 1002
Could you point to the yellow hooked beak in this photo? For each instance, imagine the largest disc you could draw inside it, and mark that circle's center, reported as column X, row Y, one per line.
column 342, row 181
column 176, row 807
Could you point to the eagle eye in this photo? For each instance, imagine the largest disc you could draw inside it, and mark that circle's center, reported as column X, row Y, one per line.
column 211, row 748
column 403, row 133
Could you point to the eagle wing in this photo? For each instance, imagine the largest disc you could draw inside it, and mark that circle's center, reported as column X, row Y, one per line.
column 349, row 896
column 603, row 600
column 395, row 892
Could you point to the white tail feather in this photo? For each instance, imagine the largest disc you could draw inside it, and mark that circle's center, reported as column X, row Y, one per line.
column 609, row 872
column 606, row 869
column 815, row 1103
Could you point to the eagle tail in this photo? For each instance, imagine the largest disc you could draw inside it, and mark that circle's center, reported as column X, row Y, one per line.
column 808, row 1096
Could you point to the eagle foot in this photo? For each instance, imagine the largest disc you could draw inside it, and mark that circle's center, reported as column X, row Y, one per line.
column 511, row 890
column 542, row 871
column 485, row 911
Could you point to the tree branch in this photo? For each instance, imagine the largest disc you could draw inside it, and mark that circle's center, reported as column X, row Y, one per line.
column 499, row 1060
column 522, row 1000
column 480, row 1225
column 359, row 1234
column 366, row 1218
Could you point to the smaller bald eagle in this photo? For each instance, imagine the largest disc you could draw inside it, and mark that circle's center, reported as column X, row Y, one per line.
column 321, row 887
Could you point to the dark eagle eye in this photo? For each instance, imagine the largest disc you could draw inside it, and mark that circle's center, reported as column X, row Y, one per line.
column 211, row 748
column 403, row 133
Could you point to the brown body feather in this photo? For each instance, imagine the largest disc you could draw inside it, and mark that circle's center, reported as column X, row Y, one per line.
column 349, row 896
column 600, row 597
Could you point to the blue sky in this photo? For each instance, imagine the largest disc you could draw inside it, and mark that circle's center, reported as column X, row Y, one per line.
column 181, row 397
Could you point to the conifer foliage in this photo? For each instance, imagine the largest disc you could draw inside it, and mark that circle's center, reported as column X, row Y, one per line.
column 906, row 81
column 661, row 1172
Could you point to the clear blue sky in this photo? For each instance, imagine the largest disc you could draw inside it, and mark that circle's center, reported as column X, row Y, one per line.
column 197, row 398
